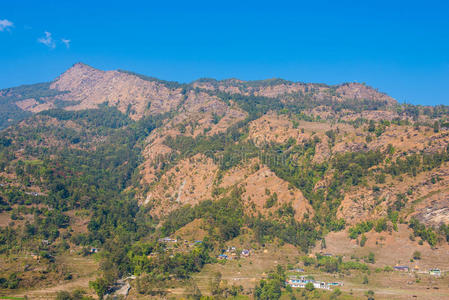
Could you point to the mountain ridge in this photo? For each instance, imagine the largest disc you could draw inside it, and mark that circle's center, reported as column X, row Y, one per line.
column 82, row 86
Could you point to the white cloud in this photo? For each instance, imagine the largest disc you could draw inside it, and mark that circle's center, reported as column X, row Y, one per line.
column 47, row 40
column 66, row 42
column 5, row 25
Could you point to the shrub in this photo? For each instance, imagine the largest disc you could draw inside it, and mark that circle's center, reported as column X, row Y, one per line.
column 416, row 255
column 309, row 287
column 363, row 240
column 365, row 280
column 381, row 225
column 63, row 295
column 371, row 258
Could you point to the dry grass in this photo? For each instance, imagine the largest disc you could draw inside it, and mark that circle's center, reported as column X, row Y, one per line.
column 83, row 270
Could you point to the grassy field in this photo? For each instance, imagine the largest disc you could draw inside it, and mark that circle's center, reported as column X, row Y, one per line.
column 81, row 269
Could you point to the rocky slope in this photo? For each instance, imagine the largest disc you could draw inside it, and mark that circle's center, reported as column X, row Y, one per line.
column 83, row 87
column 323, row 123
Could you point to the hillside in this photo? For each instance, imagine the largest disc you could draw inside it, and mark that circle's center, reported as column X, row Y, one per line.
column 116, row 160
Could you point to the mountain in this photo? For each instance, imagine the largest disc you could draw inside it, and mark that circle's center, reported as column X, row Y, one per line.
column 84, row 87
column 116, row 160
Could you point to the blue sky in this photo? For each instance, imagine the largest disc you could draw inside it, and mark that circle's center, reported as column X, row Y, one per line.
column 399, row 47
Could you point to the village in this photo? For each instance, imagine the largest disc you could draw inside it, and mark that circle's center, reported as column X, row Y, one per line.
column 178, row 245
column 302, row 281
column 403, row 268
column 296, row 281
column 308, row 281
column 231, row 253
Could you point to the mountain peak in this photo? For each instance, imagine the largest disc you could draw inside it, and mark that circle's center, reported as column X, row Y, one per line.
column 80, row 66
column 76, row 72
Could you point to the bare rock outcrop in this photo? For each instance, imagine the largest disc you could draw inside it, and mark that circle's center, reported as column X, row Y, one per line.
column 127, row 92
